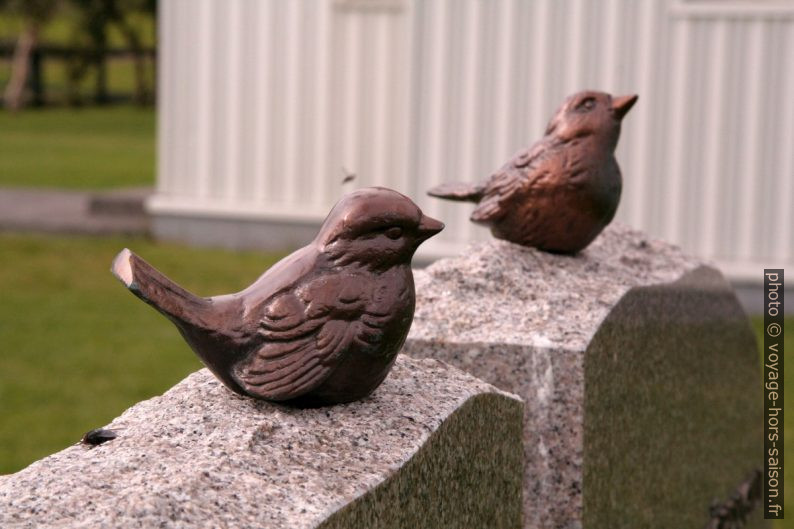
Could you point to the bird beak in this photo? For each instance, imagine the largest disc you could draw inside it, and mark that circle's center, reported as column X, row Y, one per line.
column 621, row 105
column 429, row 227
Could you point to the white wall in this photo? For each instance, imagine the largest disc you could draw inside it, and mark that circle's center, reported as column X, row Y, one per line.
column 262, row 102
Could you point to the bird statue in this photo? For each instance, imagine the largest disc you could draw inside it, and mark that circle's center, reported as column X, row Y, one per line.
column 558, row 194
column 323, row 325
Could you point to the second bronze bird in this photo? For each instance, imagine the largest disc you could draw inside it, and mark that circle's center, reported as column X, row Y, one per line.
column 324, row 324
column 558, row 194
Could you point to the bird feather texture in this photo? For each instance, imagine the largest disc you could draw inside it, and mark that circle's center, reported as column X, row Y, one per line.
column 321, row 326
column 305, row 330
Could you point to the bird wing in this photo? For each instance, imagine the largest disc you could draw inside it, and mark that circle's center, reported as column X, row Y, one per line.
column 506, row 182
column 499, row 189
column 305, row 332
column 528, row 175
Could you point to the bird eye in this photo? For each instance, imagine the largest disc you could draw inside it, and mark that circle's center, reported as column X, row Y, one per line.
column 586, row 105
column 394, row 233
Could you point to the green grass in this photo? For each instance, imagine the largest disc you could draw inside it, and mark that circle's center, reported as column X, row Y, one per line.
column 788, row 395
column 89, row 148
column 77, row 347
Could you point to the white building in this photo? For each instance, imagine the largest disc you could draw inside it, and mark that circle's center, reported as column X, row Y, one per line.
column 262, row 103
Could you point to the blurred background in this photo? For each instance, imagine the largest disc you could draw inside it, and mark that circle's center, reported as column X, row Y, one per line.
column 257, row 110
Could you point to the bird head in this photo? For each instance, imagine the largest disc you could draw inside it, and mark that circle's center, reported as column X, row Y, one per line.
column 589, row 113
column 376, row 228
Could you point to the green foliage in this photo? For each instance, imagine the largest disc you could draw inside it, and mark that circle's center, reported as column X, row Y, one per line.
column 788, row 433
column 65, row 24
column 88, row 25
column 38, row 11
column 78, row 348
column 120, row 79
column 91, row 148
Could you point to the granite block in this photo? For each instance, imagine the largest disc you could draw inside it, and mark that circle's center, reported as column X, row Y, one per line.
column 432, row 447
column 637, row 365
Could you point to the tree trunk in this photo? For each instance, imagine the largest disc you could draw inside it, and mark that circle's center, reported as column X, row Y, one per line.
column 100, row 49
column 38, row 97
column 14, row 95
column 142, row 93
column 101, row 86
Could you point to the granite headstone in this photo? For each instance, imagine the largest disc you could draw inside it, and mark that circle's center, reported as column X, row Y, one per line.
column 638, row 368
column 432, row 447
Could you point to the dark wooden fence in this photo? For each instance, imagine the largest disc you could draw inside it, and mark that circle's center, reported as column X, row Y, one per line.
column 90, row 64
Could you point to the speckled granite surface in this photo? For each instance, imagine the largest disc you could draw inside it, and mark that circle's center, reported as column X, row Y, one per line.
column 608, row 348
column 432, row 447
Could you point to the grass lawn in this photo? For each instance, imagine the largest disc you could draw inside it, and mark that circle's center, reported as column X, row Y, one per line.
column 78, row 349
column 88, row 148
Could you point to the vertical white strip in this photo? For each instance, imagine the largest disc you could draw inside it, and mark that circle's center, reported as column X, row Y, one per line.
column 576, row 45
column 293, row 47
column 262, row 97
column 504, row 79
column 204, row 98
column 220, row 104
column 246, row 104
column 469, row 88
column 234, row 34
column 180, row 109
column 732, row 139
column 678, row 100
column 173, row 108
column 279, row 56
column 438, row 86
column 639, row 172
column 773, row 105
column 321, row 171
column 711, row 205
column 610, row 50
column 435, row 87
column 352, row 50
column 165, row 119
column 748, row 227
column 178, row 180
column 404, row 71
column 697, row 181
column 542, row 33
column 364, row 130
column 470, row 127
column 522, row 72
column 185, row 100
column 784, row 183
column 381, row 100
column 337, row 98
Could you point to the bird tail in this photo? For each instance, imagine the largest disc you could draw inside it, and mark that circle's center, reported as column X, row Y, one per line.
column 177, row 304
column 460, row 191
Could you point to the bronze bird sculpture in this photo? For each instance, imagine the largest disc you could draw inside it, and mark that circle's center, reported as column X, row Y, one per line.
column 558, row 194
column 321, row 326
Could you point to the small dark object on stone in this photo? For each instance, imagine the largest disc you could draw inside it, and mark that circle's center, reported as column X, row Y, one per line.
column 98, row 436
column 558, row 194
column 323, row 325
